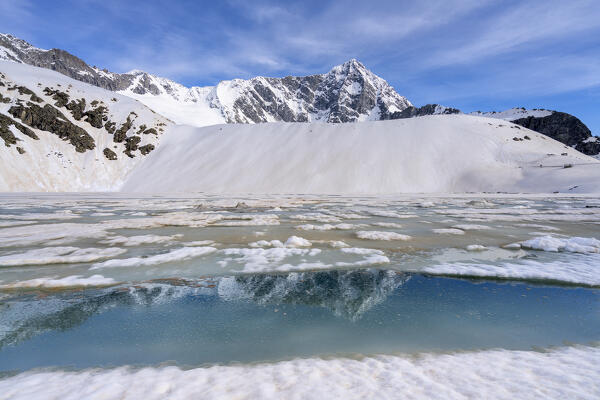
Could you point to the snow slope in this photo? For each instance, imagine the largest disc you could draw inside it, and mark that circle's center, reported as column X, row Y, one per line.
column 441, row 153
column 53, row 164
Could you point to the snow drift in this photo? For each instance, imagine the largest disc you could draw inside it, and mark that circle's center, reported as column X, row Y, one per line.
column 441, row 153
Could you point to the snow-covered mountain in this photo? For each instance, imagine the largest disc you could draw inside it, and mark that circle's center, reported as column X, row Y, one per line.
column 64, row 135
column 67, row 126
column 60, row 134
column 347, row 93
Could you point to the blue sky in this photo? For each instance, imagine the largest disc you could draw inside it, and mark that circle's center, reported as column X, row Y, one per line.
column 473, row 55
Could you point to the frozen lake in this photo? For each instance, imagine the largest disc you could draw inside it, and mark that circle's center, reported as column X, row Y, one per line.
column 108, row 281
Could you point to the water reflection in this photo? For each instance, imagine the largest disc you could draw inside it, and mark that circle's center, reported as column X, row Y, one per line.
column 348, row 294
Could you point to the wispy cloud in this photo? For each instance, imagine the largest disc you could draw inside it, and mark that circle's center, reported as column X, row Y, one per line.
column 525, row 26
column 432, row 51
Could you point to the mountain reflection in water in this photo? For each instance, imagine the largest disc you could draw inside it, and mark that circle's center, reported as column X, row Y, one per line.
column 348, row 294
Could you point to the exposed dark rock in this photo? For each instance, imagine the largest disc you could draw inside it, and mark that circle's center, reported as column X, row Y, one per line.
column 49, row 119
column 141, row 129
column 560, row 126
column 428, row 109
column 4, row 100
column 146, row 149
column 131, row 144
column 25, row 130
column 110, row 127
column 96, row 116
column 5, row 133
column 64, row 63
column 35, row 98
column 61, row 98
column 77, row 108
column 108, row 153
column 21, row 150
column 150, row 131
column 121, row 134
column 591, row 148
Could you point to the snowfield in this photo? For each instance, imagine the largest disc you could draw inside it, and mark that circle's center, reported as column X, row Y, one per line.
column 440, row 153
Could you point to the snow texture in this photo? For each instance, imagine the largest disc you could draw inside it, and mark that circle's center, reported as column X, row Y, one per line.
column 435, row 154
column 563, row 373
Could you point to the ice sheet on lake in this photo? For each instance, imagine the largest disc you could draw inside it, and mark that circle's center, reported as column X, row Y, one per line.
column 182, row 254
column 570, row 244
column 577, row 268
column 68, row 281
column 59, row 255
column 381, row 235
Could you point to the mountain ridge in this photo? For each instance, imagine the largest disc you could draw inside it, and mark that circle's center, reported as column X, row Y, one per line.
column 347, row 93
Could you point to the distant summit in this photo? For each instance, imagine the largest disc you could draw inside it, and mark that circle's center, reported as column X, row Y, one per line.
column 347, row 93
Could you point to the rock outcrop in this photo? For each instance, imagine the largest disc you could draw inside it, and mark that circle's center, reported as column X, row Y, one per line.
column 428, row 109
column 565, row 128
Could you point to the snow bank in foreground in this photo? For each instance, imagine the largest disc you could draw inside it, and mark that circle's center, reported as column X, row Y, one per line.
column 443, row 153
column 565, row 373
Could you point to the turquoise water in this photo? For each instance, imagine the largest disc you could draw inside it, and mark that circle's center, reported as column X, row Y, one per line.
column 269, row 317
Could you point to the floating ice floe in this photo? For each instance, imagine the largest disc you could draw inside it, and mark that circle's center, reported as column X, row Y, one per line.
column 297, row 241
column 328, row 227
column 476, row 247
column 449, row 231
column 338, row 244
column 261, row 259
column 371, row 257
column 318, row 217
column 199, row 243
column 571, row 245
column 182, row 254
column 387, row 225
column 139, row 240
column 580, row 269
column 69, row 281
column 381, row 235
column 59, row 255
column 471, row 227
column 249, row 220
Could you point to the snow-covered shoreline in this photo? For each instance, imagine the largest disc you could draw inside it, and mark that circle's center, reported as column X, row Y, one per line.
column 568, row 372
